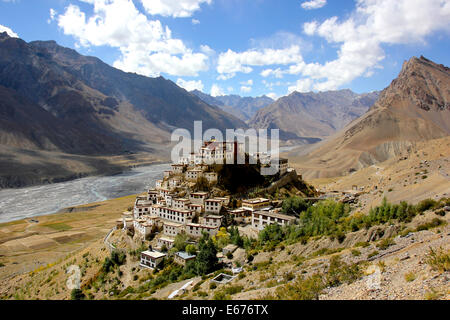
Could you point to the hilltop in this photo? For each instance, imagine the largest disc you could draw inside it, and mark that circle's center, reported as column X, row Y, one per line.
column 414, row 108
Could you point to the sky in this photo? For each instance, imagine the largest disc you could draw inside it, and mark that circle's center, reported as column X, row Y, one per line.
column 244, row 47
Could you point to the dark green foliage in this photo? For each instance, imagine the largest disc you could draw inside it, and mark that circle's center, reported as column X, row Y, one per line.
column 118, row 258
column 386, row 243
column 235, row 237
column 436, row 222
column 295, row 205
column 206, row 261
column 77, row 294
column 180, row 242
column 426, row 204
column 339, row 272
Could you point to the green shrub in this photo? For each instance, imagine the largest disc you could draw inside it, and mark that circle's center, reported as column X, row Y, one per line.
column 212, row 285
column 410, row 276
column 356, row 252
column 425, row 205
column 362, row 244
column 77, row 294
column 386, row 243
column 372, row 254
column 438, row 260
column 436, row 222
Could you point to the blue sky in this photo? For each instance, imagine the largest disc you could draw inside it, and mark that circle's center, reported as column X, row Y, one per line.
column 244, row 47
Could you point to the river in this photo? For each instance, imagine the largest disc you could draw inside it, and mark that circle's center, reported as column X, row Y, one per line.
column 16, row 204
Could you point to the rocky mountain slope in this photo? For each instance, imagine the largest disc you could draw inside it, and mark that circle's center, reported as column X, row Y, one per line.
column 242, row 107
column 53, row 99
column 315, row 115
column 414, row 108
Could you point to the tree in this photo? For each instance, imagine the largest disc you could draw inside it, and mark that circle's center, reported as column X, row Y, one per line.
column 191, row 249
column 295, row 205
column 180, row 241
column 236, row 237
column 206, row 261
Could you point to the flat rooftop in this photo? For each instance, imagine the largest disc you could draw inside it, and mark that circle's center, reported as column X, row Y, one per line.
column 154, row 254
column 256, row 200
column 275, row 215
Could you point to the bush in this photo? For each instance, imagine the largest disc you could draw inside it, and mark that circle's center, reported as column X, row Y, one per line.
column 212, row 285
column 386, row 243
column 373, row 254
column 339, row 272
column 438, row 260
column 362, row 244
column 233, row 290
column 410, row 276
column 425, row 205
column 77, row 294
column 436, row 222
column 356, row 252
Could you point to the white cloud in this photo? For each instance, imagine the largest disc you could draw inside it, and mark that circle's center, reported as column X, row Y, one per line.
column 10, row 33
column 246, row 89
column 277, row 73
column 207, row 50
column 195, row 21
column 302, row 85
column 314, row 4
column 247, row 83
column 53, row 14
column 272, row 95
column 217, row 91
column 147, row 47
column 361, row 36
column 190, row 85
column 233, row 62
column 225, row 77
column 173, row 8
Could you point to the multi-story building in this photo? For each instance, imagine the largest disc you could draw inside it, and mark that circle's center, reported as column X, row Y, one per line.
column 193, row 175
column 213, row 206
column 198, row 197
column 195, row 230
column 151, row 259
column 181, row 203
column 178, row 168
column 260, row 219
column 167, row 242
column 152, row 195
column 175, row 215
column 172, row 229
column 212, row 221
column 256, row 204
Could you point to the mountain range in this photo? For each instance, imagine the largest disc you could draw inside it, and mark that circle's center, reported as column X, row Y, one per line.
column 58, row 108
column 414, row 108
column 100, row 109
column 243, row 108
column 313, row 115
column 65, row 115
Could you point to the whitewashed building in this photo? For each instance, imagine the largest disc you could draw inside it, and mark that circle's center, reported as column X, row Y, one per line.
column 213, row 206
column 260, row 219
column 151, row 259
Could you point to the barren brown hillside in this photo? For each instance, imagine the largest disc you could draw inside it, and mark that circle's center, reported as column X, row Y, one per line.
column 414, row 108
